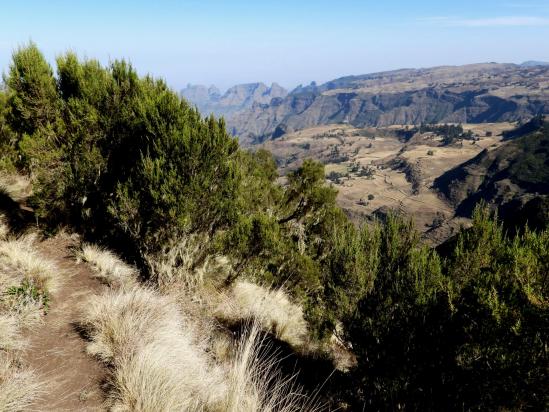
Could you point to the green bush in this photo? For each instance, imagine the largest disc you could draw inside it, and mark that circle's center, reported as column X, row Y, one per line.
column 124, row 159
column 468, row 332
column 121, row 155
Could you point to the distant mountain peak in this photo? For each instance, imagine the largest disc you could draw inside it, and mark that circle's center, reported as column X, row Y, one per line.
column 237, row 98
column 473, row 93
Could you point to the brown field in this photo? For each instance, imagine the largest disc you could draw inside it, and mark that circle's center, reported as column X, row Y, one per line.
column 341, row 146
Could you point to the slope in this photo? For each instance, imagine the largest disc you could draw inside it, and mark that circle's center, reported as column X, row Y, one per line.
column 519, row 169
column 477, row 93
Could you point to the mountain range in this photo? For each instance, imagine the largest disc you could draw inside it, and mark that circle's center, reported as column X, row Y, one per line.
column 237, row 98
column 477, row 93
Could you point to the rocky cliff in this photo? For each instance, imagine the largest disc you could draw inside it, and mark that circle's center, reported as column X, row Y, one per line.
column 469, row 94
column 237, row 98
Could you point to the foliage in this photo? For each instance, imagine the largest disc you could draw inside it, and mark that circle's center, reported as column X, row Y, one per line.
column 7, row 137
column 124, row 159
column 28, row 292
column 125, row 153
column 467, row 332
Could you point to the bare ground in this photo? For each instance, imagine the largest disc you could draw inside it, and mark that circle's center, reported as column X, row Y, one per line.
column 56, row 350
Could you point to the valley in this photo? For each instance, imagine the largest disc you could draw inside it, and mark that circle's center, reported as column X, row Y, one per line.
column 375, row 170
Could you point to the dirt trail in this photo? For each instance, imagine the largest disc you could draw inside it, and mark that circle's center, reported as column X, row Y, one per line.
column 56, row 351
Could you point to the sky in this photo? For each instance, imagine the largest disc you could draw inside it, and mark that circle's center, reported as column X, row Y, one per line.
column 226, row 42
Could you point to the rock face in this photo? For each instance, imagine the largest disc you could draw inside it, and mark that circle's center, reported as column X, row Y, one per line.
column 234, row 100
column 468, row 94
column 517, row 170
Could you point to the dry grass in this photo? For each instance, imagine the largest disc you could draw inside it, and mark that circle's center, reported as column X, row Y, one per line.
column 160, row 361
column 20, row 262
column 272, row 309
column 187, row 263
column 255, row 384
column 19, row 387
column 157, row 362
column 18, row 187
column 10, row 333
column 108, row 267
column 4, row 228
column 23, row 273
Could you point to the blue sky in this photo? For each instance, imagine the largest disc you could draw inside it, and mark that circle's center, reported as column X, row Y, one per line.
column 290, row 42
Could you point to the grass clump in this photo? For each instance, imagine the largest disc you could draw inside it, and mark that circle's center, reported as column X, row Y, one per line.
column 19, row 387
column 254, row 382
column 157, row 364
column 160, row 362
column 108, row 267
column 26, row 279
column 273, row 311
column 21, row 265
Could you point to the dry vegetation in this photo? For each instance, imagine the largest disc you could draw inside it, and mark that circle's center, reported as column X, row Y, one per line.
column 164, row 355
column 19, row 387
column 16, row 186
column 389, row 186
column 108, row 267
column 272, row 309
column 26, row 280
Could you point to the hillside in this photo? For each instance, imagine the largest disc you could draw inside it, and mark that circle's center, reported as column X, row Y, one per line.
column 379, row 169
column 162, row 267
column 519, row 168
column 476, row 93
column 235, row 99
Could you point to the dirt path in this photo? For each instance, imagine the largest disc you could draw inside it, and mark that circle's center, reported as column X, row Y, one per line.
column 56, row 351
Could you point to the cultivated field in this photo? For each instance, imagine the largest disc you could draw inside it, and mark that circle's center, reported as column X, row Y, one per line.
column 374, row 170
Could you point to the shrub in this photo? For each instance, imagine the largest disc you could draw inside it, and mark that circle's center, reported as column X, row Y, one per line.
column 464, row 332
column 93, row 132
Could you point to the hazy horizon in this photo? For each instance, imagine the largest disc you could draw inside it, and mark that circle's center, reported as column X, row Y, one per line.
column 222, row 44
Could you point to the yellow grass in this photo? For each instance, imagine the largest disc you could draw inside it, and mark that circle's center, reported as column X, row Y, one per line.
column 186, row 262
column 108, row 267
column 19, row 387
column 20, row 262
column 160, row 361
column 16, row 186
column 254, row 384
column 4, row 228
column 157, row 363
column 272, row 309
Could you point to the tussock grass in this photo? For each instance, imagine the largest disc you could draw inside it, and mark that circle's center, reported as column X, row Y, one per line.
column 4, row 228
column 161, row 361
column 108, row 267
column 19, row 387
column 25, row 279
column 10, row 333
column 255, row 384
column 272, row 309
column 20, row 262
column 157, row 361
column 187, row 263
column 16, row 186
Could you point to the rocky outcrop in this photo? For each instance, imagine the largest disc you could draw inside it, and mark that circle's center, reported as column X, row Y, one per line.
column 468, row 94
column 234, row 100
